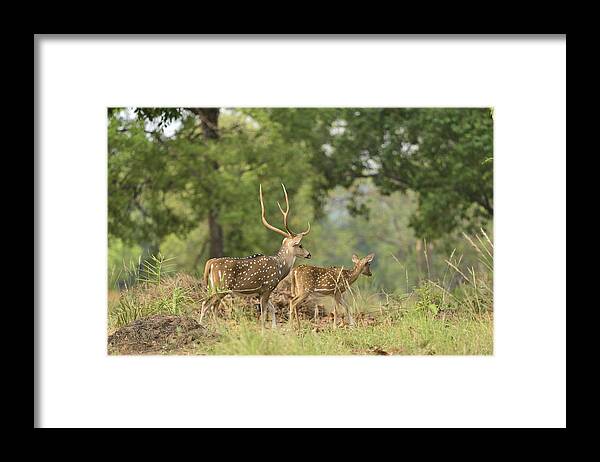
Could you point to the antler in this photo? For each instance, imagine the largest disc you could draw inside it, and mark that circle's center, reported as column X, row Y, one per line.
column 287, row 209
column 264, row 219
column 285, row 215
column 304, row 233
column 289, row 233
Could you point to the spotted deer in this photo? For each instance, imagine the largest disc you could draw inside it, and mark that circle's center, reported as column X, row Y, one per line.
column 256, row 275
column 333, row 281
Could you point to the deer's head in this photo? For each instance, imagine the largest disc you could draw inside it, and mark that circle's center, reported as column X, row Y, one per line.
column 291, row 244
column 363, row 264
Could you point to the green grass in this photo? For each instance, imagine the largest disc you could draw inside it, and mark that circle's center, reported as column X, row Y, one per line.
column 415, row 333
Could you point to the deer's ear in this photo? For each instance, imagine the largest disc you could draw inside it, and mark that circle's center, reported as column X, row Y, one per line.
column 355, row 259
column 369, row 258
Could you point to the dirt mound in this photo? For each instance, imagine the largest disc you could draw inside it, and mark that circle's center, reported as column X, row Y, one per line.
column 156, row 334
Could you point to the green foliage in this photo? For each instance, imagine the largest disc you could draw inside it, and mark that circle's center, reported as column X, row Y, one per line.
column 141, row 184
column 430, row 298
column 443, row 155
column 161, row 116
column 120, row 257
column 438, row 153
column 154, row 269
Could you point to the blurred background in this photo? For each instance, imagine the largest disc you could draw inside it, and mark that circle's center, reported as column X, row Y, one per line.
column 404, row 183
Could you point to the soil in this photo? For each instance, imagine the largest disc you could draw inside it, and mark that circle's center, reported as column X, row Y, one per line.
column 157, row 334
column 378, row 351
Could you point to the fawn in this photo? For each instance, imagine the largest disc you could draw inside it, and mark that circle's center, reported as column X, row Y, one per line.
column 257, row 274
column 332, row 281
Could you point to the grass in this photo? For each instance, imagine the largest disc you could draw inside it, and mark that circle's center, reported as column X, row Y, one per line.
column 156, row 291
column 451, row 316
column 415, row 333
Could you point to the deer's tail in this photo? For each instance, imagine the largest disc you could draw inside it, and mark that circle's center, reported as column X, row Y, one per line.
column 207, row 267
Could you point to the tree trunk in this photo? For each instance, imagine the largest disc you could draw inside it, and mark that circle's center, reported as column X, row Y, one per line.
column 209, row 120
column 215, row 232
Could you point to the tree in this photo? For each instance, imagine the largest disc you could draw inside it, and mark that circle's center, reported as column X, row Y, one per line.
column 208, row 120
column 441, row 154
column 140, row 185
column 209, row 172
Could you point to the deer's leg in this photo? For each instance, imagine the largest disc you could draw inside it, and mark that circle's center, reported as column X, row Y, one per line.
column 216, row 306
column 297, row 317
column 293, row 294
column 205, row 306
column 291, row 316
column 263, row 307
column 342, row 302
column 294, row 311
column 294, row 302
column 335, row 313
column 272, row 311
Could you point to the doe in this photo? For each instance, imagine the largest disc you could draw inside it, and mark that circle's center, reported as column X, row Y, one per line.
column 332, row 281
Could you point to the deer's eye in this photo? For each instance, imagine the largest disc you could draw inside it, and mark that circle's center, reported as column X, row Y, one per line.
column 300, row 245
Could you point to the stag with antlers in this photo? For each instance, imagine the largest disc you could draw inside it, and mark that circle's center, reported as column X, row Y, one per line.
column 333, row 281
column 256, row 275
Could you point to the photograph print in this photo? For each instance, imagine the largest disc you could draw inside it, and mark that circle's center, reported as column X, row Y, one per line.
column 300, row 231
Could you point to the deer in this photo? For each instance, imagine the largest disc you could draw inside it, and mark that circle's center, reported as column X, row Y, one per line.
column 308, row 281
column 258, row 274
